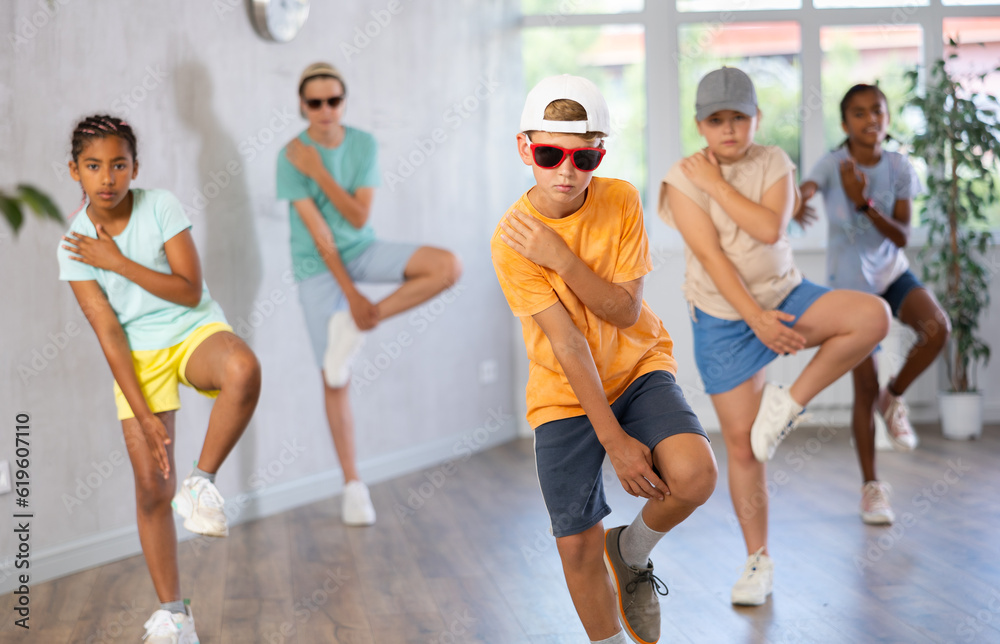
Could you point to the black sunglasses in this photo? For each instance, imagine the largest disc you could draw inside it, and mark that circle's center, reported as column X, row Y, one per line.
column 316, row 103
column 551, row 156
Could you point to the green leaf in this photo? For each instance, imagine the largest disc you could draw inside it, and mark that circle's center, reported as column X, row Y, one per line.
column 39, row 202
column 11, row 212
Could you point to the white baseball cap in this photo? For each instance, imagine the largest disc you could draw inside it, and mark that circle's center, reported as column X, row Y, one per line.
column 569, row 87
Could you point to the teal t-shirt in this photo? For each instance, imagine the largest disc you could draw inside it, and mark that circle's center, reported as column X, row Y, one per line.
column 149, row 321
column 353, row 164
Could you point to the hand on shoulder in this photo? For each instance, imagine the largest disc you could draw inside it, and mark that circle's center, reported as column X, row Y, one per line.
column 702, row 169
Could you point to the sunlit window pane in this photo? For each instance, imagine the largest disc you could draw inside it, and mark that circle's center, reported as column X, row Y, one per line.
column 573, row 7
column 736, row 5
column 902, row 13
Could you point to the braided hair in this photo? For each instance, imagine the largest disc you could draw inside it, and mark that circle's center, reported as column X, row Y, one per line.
column 101, row 126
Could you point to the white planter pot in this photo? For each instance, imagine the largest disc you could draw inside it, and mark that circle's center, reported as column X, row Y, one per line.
column 961, row 415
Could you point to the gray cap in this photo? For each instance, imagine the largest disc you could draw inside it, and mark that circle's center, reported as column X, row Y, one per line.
column 725, row 89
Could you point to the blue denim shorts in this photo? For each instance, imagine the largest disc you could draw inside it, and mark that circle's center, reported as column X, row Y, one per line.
column 899, row 289
column 568, row 456
column 728, row 352
column 321, row 297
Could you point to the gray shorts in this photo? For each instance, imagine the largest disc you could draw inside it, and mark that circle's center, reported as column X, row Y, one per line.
column 569, row 457
column 321, row 296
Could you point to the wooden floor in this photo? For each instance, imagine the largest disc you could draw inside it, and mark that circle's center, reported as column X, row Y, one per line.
column 472, row 562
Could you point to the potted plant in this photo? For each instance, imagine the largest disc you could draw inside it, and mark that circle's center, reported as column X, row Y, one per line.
column 960, row 143
column 12, row 205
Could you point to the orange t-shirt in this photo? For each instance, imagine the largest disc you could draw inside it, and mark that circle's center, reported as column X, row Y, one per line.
column 607, row 233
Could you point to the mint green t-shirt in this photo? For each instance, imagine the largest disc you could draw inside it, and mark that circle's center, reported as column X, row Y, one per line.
column 353, row 164
column 149, row 321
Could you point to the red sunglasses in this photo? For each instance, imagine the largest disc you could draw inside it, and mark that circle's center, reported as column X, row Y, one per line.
column 551, row 156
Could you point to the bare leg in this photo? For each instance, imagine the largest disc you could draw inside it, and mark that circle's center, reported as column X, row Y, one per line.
column 588, row 581
column 737, row 409
column 154, row 516
column 687, row 465
column 863, row 415
column 225, row 362
column 338, row 415
column 921, row 312
column 429, row 271
column 846, row 325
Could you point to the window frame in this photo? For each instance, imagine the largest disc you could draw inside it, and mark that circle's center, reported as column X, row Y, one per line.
column 661, row 21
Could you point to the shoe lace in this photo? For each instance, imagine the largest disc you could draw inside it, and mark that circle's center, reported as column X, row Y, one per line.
column 160, row 623
column 794, row 422
column 898, row 418
column 751, row 565
column 208, row 495
column 647, row 576
column 876, row 495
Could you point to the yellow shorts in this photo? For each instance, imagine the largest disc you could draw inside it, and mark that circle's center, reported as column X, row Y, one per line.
column 160, row 370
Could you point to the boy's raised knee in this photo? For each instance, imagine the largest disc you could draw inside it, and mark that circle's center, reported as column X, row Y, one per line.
column 694, row 484
column 449, row 268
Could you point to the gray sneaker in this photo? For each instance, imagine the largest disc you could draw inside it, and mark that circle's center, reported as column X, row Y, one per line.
column 636, row 588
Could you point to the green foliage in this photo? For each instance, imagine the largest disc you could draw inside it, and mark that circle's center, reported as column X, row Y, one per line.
column 13, row 205
column 960, row 144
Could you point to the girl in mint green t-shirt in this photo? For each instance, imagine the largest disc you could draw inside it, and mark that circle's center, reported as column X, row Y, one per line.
column 133, row 267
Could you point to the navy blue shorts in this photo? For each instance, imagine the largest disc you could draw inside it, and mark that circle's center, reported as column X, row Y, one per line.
column 568, row 456
column 728, row 352
column 899, row 289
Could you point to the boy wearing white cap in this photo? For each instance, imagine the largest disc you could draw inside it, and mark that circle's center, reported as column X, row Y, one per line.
column 571, row 255
column 749, row 303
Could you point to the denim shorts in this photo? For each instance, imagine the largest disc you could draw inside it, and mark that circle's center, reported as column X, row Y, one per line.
column 728, row 352
column 899, row 289
column 568, row 456
column 321, row 296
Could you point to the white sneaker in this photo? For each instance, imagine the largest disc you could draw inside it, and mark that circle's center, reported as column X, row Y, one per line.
column 756, row 582
column 897, row 422
column 875, row 508
column 777, row 417
column 201, row 505
column 344, row 340
column 164, row 627
column 357, row 506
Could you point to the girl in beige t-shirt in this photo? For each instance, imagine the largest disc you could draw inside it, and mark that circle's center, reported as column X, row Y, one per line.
column 732, row 202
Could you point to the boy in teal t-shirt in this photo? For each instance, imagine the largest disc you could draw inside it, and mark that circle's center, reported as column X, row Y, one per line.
column 329, row 173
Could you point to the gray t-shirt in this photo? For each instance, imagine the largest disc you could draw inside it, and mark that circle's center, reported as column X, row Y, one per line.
column 767, row 269
column 858, row 256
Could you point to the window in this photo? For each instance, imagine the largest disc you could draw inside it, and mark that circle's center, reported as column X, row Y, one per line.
column 736, row 5
column 613, row 56
column 571, row 7
column 769, row 53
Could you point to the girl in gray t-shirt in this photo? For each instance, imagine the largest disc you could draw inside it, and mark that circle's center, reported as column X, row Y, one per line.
column 867, row 194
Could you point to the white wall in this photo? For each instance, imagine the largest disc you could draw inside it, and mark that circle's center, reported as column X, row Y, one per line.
column 208, row 94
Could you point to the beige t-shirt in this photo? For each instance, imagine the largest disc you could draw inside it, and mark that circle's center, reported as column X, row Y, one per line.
column 767, row 270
